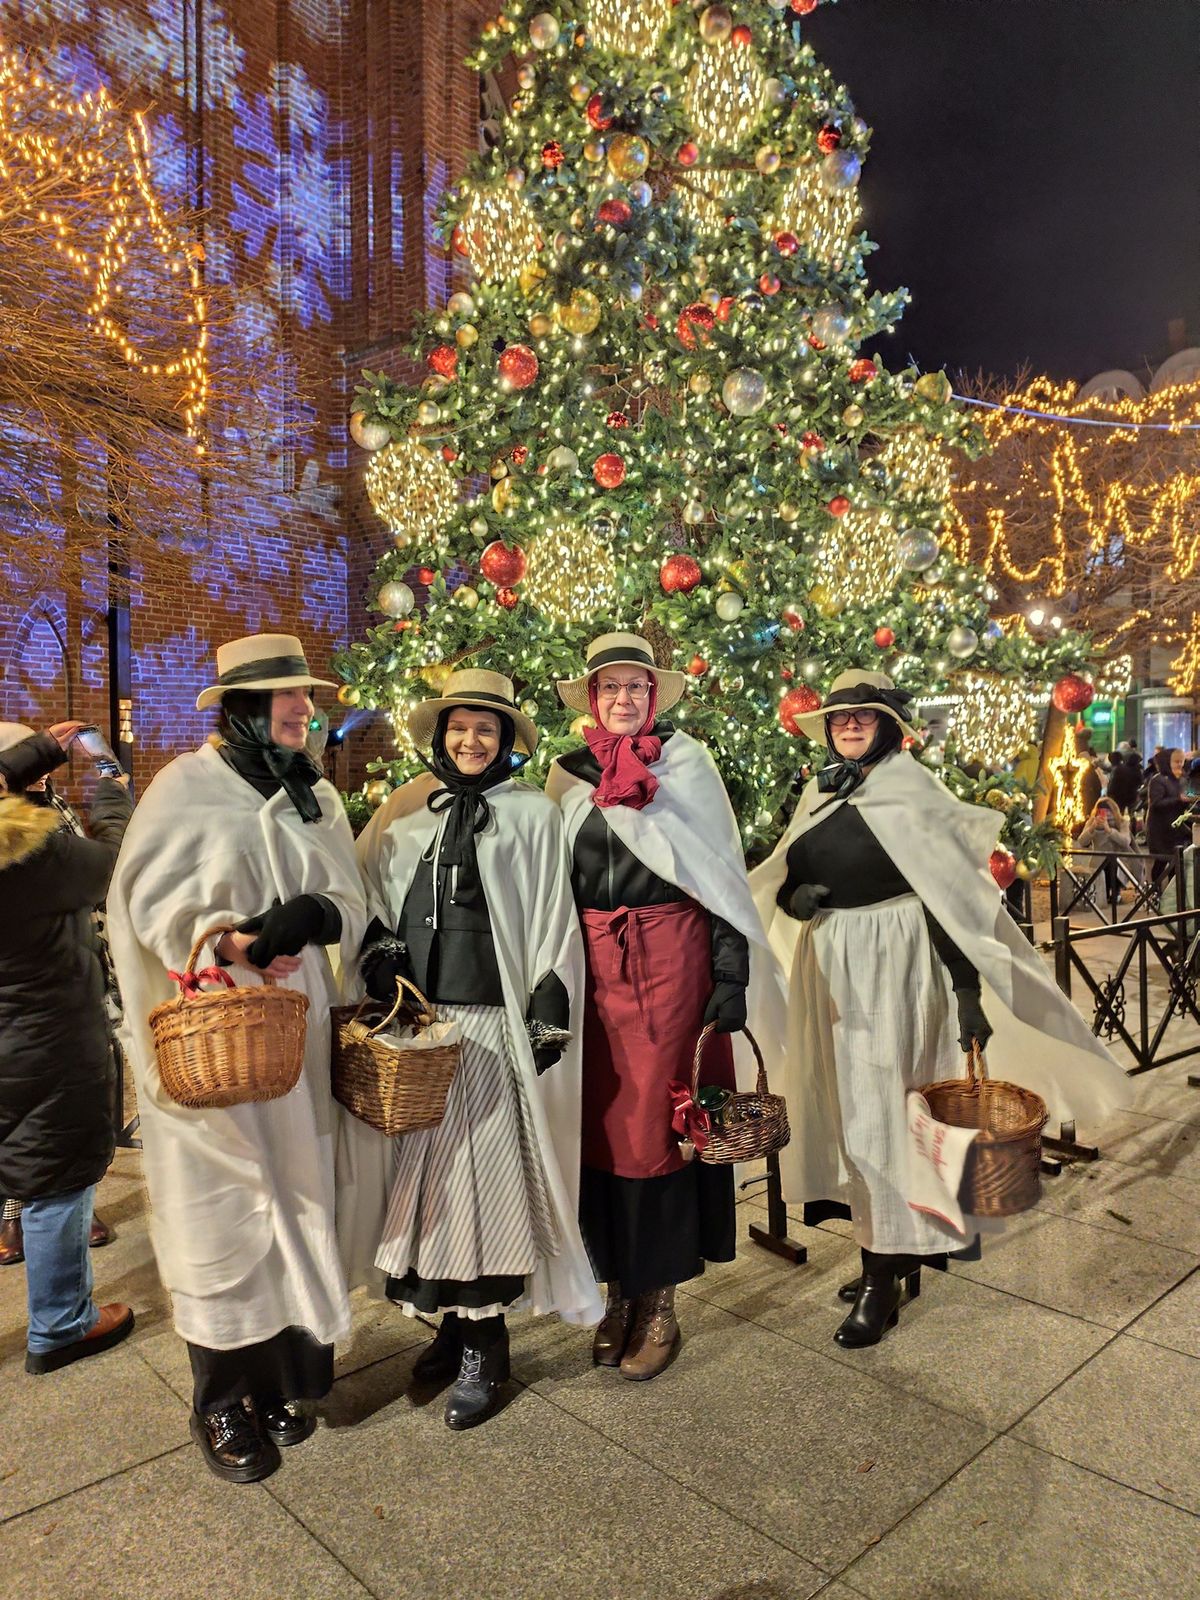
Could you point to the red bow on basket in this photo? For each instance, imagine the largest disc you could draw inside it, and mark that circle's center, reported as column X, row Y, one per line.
column 688, row 1120
column 189, row 982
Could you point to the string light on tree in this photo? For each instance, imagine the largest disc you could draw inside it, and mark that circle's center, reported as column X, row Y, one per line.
column 571, row 575
column 1066, row 771
column 993, row 717
column 412, row 490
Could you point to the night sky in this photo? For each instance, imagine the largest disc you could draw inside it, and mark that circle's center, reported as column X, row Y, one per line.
column 1034, row 176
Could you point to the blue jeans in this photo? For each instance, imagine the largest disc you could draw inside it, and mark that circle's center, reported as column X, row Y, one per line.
column 58, row 1269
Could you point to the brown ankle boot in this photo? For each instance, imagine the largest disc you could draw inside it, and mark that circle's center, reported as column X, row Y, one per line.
column 612, row 1335
column 655, row 1340
column 12, row 1242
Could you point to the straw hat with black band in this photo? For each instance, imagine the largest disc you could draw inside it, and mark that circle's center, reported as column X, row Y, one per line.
column 859, row 690
column 476, row 690
column 621, row 650
column 261, row 661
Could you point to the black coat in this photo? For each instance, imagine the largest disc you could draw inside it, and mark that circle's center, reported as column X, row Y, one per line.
column 1165, row 801
column 57, row 1070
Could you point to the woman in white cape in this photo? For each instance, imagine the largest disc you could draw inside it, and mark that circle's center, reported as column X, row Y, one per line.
column 880, row 904
column 467, row 881
column 244, row 833
column 673, row 940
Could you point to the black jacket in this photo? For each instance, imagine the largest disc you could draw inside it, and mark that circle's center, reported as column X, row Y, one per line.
column 57, row 1071
column 24, row 763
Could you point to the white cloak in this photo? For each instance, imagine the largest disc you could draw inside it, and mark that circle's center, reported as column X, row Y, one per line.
column 941, row 845
column 242, row 1199
column 526, row 882
column 688, row 836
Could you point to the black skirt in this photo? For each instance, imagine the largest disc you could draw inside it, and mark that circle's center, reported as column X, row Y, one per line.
column 649, row 1233
column 290, row 1364
column 431, row 1295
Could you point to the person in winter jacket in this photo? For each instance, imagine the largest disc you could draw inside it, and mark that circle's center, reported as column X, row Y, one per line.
column 57, row 1069
column 1165, row 803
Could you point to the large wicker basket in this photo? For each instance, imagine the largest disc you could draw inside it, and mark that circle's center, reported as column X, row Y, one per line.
column 396, row 1089
column 230, row 1046
column 1003, row 1174
column 748, row 1126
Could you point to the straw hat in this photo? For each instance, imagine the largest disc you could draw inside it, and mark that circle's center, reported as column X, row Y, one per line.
column 858, row 690
column 261, row 661
column 621, row 650
column 482, row 691
column 12, row 733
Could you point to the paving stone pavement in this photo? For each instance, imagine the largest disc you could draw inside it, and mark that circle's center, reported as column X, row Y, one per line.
column 1028, row 1432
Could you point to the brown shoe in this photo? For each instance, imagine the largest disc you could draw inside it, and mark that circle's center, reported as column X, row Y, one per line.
column 12, row 1242
column 114, row 1324
column 655, row 1340
column 100, row 1233
column 612, row 1335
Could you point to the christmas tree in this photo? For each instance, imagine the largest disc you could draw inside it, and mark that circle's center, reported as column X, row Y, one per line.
column 647, row 408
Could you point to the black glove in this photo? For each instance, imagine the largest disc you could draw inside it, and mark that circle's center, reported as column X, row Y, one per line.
column 285, row 929
column 545, row 1057
column 972, row 1024
column 727, row 1007
column 806, row 901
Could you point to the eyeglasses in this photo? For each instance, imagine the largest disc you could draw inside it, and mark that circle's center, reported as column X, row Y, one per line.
column 638, row 690
column 861, row 719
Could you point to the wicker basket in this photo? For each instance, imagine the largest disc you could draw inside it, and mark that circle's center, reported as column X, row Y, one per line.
column 750, row 1125
column 231, row 1046
column 1003, row 1174
column 393, row 1088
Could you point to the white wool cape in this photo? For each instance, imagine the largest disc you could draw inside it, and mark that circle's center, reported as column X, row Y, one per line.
column 242, row 1199
column 524, row 871
column 941, row 845
column 688, row 836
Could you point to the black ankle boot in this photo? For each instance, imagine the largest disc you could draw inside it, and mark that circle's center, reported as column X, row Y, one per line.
column 232, row 1446
column 476, row 1393
column 848, row 1293
column 877, row 1303
column 282, row 1423
column 442, row 1357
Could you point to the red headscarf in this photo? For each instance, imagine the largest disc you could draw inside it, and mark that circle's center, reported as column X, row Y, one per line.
column 625, row 779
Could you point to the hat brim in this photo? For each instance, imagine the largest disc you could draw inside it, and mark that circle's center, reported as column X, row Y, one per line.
column 216, row 692
column 573, row 692
column 422, row 721
column 812, row 724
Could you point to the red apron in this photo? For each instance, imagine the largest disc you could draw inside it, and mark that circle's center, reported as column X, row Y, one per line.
column 649, row 978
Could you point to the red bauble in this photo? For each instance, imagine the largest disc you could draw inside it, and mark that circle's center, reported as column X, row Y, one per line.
column 812, row 441
column 1002, row 867
column 615, row 212
column 862, row 369
column 803, row 7
column 693, row 318
column 679, row 573
column 688, row 154
column 828, row 139
column 787, row 244
column 838, row 506
column 449, row 453
column 1072, row 693
column 885, row 638
column 697, row 666
column 507, row 598
column 724, row 307
column 617, row 419
column 797, row 703
column 741, row 35
column 650, row 321
column 520, row 455
column 443, row 361
column 609, row 470
column 502, row 564
column 594, row 112
column 552, row 153
column 402, row 626
column 458, row 242
column 815, row 343
column 769, row 283
column 426, row 575
column 793, row 619
column 518, row 366
column 786, row 674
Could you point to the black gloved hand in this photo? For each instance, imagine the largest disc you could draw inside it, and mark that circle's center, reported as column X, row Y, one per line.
column 806, row 901
column 727, row 1007
column 544, row 1057
column 972, row 1024
column 285, row 929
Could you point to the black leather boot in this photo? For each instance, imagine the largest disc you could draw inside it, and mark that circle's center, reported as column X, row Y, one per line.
column 232, row 1446
column 484, row 1367
column 848, row 1293
column 877, row 1303
column 282, row 1423
column 440, row 1360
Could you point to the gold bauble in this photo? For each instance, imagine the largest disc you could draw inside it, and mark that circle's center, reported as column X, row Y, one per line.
column 540, row 325
column 852, row 416
column 504, row 495
column 466, row 596
column 499, row 232
column 1024, row 870
column 739, row 573
column 768, row 160
column 581, row 92
column 530, row 275
column 436, row 673
column 467, row 335
column 628, row 156
column 934, row 387
column 411, row 489
column 581, row 313
column 595, row 150
column 789, row 512
column 582, row 724
column 377, row 792
column 428, row 413
column 699, row 383
column 824, row 601
column 349, row 695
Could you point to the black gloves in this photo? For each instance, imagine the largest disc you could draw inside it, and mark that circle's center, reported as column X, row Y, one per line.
column 547, row 1021
column 727, row 1007
column 806, row 900
column 285, row 929
column 544, row 1058
column 972, row 1024
column 384, row 958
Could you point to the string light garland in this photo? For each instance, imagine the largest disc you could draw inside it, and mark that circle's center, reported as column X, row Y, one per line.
column 412, row 491
column 1066, row 770
column 498, row 233
column 821, row 221
column 571, row 575
column 724, row 95
column 994, row 717
column 628, row 27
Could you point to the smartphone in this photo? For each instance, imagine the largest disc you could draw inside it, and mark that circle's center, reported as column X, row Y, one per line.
column 98, row 751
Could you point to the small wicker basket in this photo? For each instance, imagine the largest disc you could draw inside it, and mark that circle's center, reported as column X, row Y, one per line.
column 394, row 1088
column 750, row 1125
column 1003, row 1174
column 231, row 1046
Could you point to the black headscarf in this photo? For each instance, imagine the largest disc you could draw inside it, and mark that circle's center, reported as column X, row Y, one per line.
column 246, row 746
column 464, row 796
column 843, row 775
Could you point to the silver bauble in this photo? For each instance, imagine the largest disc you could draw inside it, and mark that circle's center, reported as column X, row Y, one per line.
column 775, row 92
column 368, row 435
column 917, row 549
column 716, row 24
column 744, row 391
column 396, row 599
column 461, row 304
column 831, row 325
column 992, row 634
column 962, row 642
column 730, row 605
column 840, row 170
column 544, row 30
column 562, row 459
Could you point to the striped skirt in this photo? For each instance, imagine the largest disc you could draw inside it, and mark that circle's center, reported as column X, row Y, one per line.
column 470, row 1197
